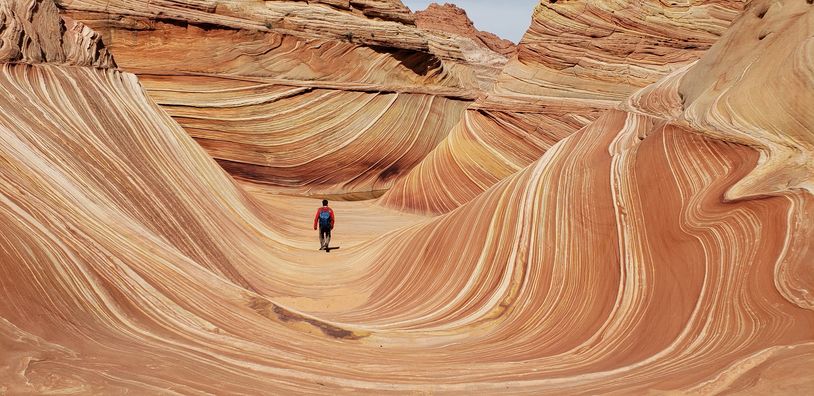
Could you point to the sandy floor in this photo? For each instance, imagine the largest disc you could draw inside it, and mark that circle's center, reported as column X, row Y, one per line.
column 356, row 221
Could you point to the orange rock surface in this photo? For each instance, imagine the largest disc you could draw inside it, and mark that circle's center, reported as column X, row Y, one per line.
column 453, row 20
column 577, row 60
column 32, row 33
column 664, row 247
column 318, row 81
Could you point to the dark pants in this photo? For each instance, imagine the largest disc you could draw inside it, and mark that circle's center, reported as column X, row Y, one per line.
column 324, row 237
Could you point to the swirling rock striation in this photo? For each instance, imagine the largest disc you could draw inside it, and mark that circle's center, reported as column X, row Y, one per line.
column 608, row 50
column 321, row 61
column 130, row 262
column 578, row 59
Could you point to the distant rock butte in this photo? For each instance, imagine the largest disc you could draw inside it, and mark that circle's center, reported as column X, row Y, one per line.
column 451, row 19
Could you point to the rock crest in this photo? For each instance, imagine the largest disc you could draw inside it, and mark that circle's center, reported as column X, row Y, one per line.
column 453, row 20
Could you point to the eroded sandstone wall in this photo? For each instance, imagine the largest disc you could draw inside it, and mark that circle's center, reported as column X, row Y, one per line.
column 253, row 79
column 578, row 59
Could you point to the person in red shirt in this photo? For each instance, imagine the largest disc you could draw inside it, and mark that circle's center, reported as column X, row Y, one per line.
column 325, row 220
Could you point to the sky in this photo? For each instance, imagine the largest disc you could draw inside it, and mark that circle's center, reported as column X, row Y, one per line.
column 508, row 19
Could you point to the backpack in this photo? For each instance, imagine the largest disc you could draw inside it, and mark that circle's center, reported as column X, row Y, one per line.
column 325, row 219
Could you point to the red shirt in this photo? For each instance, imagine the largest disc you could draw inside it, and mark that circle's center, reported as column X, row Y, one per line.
column 323, row 209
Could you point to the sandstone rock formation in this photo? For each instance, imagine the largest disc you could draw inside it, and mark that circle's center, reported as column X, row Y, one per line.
column 450, row 19
column 760, row 95
column 578, row 59
column 352, row 92
column 33, row 32
column 388, row 10
column 662, row 248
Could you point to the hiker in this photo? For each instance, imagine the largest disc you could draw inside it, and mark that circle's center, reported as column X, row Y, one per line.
column 325, row 219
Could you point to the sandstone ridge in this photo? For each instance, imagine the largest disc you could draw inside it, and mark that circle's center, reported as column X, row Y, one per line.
column 577, row 60
column 353, row 70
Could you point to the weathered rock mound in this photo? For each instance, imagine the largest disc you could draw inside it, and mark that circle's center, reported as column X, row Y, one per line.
column 453, row 20
column 755, row 87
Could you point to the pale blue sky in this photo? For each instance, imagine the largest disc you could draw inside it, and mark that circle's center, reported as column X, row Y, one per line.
column 506, row 18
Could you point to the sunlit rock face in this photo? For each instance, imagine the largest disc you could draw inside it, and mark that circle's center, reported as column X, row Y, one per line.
column 578, row 59
column 606, row 50
column 453, row 20
column 487, row 53
column 659, row 249
column 761, row 95
column 353, row 92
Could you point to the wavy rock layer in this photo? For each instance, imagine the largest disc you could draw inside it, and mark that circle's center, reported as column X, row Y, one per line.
column 487, row 146
column 388, row 10
column 131, row 262
column 610, row 49
column 578, row 59
column 325, row 19
column 761, row 97
column 285, row 134
column 321, row 62
column 139, row 272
